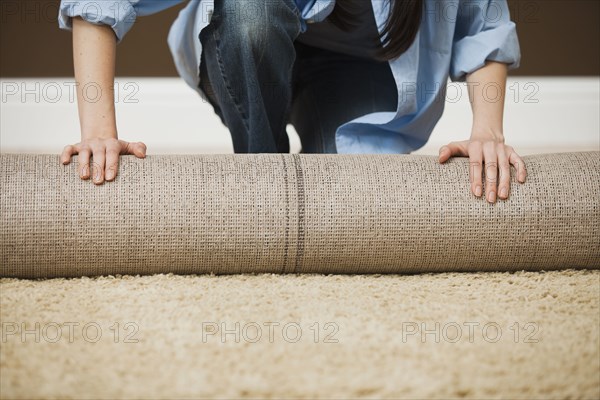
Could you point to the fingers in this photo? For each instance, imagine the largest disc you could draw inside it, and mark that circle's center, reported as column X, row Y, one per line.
column 67, row 153
column 98, row 164
column 453, row 149
column 105, row 155
column 445, row 154
column 514, row 159
column 495, row 157
column 140, row 150
column 476, row 163
column 504, row 167
column 112, row 161
column 137, row 149
column 83, row 162
column 490, row 158
column 498, row 158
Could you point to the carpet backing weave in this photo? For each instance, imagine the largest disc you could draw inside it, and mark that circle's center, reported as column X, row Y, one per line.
column 286, row 213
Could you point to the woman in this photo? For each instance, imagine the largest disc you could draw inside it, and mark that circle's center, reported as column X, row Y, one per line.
column 352, row 76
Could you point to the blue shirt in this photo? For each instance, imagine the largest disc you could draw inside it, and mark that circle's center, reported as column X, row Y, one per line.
column 456, row 37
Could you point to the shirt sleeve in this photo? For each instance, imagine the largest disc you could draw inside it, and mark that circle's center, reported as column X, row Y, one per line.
column 483, row 32
column 315, row 10
column 120, row 15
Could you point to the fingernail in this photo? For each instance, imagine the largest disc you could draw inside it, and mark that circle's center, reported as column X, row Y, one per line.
column 504, row 192
column 478, row 191
column 491, row 197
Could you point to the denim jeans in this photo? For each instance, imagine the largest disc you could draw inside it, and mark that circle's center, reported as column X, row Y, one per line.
column 258, row 79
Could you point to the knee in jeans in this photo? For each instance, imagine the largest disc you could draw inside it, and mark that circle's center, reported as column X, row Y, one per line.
column 255, row 22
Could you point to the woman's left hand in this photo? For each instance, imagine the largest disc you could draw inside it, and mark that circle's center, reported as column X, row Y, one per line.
column 496, row 156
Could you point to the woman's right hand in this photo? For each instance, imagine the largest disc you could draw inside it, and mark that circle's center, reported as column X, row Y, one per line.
column 105, row 155
column 94, row 55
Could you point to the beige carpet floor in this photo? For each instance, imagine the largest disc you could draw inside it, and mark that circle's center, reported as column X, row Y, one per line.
column 459, row 335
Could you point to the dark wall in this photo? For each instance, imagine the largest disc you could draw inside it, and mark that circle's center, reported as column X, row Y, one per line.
column 558, row 37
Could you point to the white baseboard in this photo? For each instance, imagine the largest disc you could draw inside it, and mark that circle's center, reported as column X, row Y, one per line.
column 40, row 116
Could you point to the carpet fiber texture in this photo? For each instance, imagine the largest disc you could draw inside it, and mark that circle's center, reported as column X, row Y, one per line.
column 520, row 335
column 283, row 213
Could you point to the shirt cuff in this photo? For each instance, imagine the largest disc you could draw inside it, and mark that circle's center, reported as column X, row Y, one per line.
column 119, row 15
column 500, row 44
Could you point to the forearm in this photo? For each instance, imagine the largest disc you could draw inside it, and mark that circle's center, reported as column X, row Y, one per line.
column 94, row 54
column 487, row 88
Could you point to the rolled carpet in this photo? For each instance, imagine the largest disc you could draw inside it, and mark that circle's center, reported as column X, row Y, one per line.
column 284, row 213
